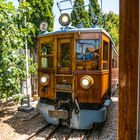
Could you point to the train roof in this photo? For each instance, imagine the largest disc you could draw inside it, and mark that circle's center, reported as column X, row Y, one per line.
column 74, row 30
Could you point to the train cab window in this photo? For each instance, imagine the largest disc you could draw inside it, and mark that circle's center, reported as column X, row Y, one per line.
column 65, row 55
column 47, row 55
column 105, row 55
column 87, row 54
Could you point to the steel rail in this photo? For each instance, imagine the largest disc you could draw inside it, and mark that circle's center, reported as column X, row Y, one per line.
column 37, row 132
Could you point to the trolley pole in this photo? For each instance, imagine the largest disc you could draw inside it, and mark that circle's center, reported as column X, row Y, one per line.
column 101, row 12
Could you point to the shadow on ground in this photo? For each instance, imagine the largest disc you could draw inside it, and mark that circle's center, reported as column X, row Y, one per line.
column 22, row 122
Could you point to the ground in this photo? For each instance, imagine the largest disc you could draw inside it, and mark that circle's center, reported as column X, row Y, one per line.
column 17, row 125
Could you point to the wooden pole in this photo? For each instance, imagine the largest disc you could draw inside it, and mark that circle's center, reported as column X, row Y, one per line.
column 128, row 69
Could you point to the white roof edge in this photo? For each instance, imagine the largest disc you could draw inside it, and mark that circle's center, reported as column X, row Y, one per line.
column 75, row 30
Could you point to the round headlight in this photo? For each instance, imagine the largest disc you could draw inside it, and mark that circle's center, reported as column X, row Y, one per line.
column 64, row 19
column 45, row 79
column 86, row 81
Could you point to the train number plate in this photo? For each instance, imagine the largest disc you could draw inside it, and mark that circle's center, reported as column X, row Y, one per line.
column 60, row 114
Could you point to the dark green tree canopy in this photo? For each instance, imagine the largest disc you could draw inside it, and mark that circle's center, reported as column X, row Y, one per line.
column 95, row 10
column 42, row 11
column 79, row 15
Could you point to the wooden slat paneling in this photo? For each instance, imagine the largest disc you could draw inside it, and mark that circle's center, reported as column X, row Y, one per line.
column 104, row 84
column 91, row 95
column 128, row 64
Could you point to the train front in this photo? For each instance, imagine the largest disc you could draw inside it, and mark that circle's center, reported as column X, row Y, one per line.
column 73, row 76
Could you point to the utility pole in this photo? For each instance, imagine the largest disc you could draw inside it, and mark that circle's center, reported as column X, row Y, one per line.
column 28, row 84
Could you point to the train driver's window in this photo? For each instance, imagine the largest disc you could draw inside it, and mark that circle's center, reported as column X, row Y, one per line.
column 47, row 55
column 87, row 54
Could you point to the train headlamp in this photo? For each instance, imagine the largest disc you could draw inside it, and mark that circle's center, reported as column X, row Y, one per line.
column 45, row 79
column 64, row 19
column 86, row 81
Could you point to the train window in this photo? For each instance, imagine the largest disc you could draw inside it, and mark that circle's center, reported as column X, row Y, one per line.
column 105, row 55
column 114, row 59
column 47, row 62
column 87, row 54
column 65, row 55
column 105, row 51
column 47, row 55
column 47, row 49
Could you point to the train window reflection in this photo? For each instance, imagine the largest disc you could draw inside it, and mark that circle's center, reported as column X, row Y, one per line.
column 47, row 55
column 87, row 49
column 47, row 49
column 87, row 54
column 47, row 62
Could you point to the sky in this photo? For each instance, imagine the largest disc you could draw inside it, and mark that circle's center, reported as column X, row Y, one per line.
column 107, row 5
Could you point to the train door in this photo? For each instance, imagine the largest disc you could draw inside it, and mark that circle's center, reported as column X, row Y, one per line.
column 64, row 64
column 64, row 77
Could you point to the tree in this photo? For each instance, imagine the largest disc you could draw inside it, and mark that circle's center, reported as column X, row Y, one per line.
column 42, row 11
column 13, row 34
column 96, row 11
column 79, row 15
column 111, row 25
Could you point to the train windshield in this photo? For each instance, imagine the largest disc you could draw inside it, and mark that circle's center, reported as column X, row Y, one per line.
column 87, row 54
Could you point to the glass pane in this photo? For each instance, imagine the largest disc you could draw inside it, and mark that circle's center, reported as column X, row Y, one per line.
column 87, row 54
column 105, row 51
column 104, row 66
column 47, row 49
column 47, row 62
column 47, row 55
column 87, row 49
column 65, row 55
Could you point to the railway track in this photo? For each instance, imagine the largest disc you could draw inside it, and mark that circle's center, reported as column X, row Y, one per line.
column 49, row 131
column 60, row 132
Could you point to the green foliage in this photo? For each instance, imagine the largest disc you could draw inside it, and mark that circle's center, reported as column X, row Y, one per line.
column 111, row 24
column 42, row 11
column 33, row 67
column 13, row 35
column 96, row 11
column 79, row 15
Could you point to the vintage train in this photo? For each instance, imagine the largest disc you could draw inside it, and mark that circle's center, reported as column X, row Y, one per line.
column 77, row 72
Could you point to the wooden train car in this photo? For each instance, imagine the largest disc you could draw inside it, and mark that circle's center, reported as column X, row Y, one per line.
column 77, row 72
